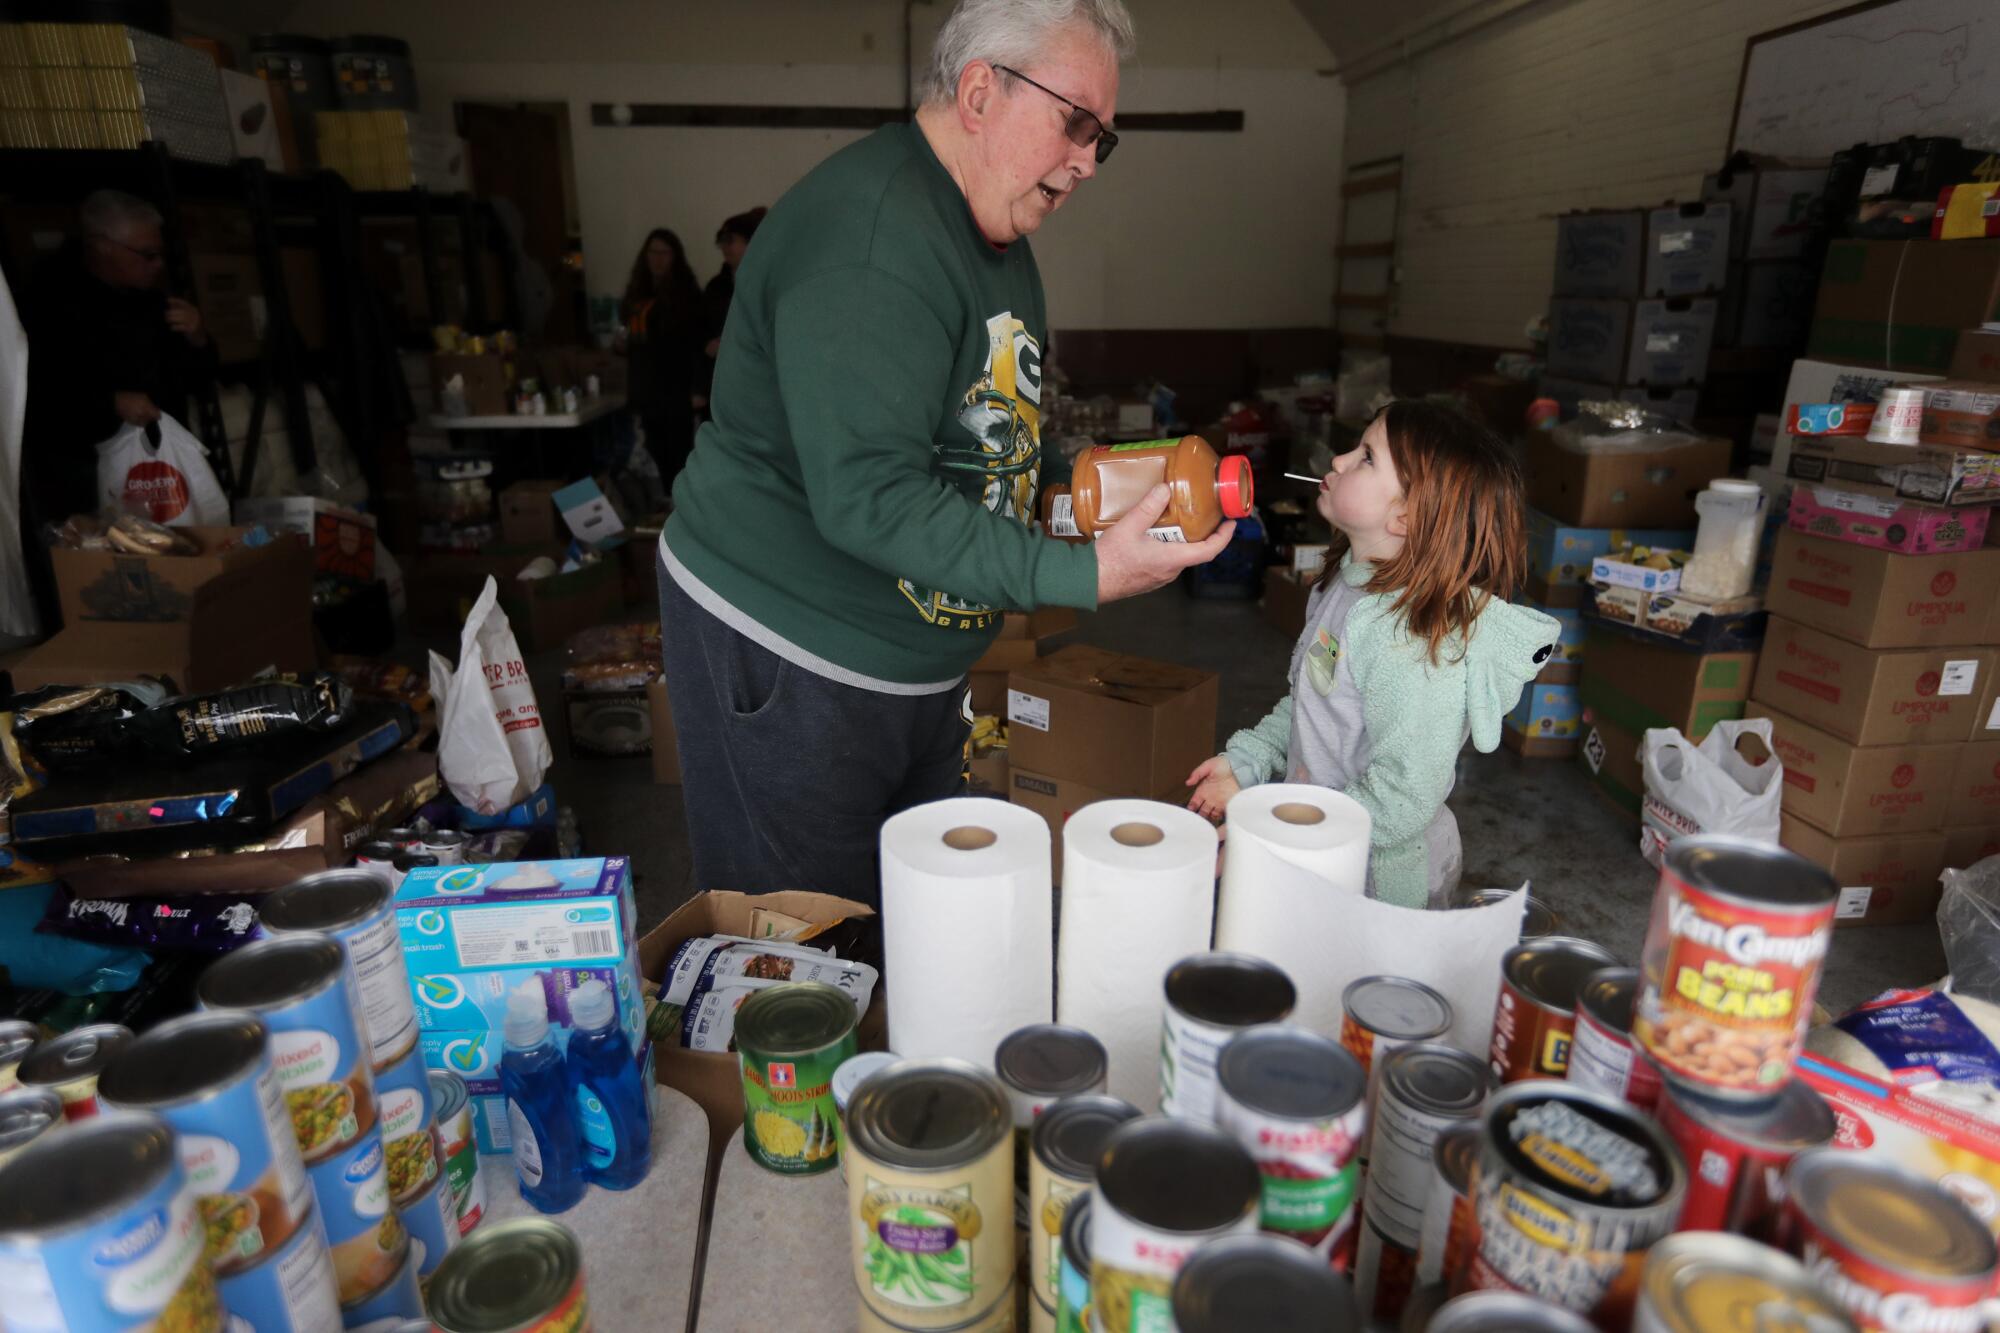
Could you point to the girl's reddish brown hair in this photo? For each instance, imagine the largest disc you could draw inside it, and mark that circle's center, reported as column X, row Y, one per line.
column 1464, row 509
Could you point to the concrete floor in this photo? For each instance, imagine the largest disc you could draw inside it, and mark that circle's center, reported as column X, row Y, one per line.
column 1534, row 820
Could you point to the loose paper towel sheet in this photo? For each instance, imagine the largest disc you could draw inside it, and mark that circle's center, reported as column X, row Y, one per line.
column 1138, row 896
column 1456, row 953
column 967, row 920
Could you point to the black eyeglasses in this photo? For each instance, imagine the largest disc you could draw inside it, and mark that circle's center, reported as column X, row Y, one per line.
column 1084, row 128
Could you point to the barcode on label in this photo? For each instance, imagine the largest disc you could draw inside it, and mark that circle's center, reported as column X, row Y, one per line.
column 1853, row 903
column 520, row 946
column 1958, row 677
column 1062, row 517
column 593, row 941
column 1662, row 342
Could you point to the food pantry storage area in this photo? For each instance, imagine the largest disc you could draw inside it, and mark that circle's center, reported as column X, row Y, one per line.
column 883, row 666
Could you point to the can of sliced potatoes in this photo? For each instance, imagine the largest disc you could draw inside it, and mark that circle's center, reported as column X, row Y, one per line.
column 1068, row 1140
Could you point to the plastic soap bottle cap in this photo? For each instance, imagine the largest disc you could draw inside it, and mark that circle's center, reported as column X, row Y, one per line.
column 591, row 1006
column 527, row 1015
column 1233, row 486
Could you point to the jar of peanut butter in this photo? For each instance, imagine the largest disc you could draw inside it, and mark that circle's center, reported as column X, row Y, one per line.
column 1110, row 479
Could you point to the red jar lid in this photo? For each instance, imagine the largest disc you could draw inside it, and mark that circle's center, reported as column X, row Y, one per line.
column 1233, row 486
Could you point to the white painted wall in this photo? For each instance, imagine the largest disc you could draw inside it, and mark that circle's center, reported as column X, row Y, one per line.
column 1563, row 104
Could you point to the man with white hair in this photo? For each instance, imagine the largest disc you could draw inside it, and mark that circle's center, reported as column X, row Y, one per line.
column 856, row 518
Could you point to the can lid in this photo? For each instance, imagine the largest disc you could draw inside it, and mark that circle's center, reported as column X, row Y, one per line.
column 1436, row 1079
column 854, row 1071
column 88, row 1171
column 1585, row 1145
column 1694, row 1281
column 1538, row 920
column 796, row 1018
column 1550, row 971
column 929, row 1115
column 1069, row 1136
column 406, row 861
column 78, row 1053
column 1262, row 1284
column 1504, row 1312
column 1456, row 1153
column 185, row 1058
column 26, row 1112
column 1076, row 1233
column 1751, row 871
column 1050, row 1060
column 1290, row 1073
column 1608, row 995
column 1890, row 1217
column 448, row 1090
column 1234, row 486
column 329, row 900
column 377, row 850
column 271, row 973
column 1230, row 990
column 1396, row 1007
column 1177, row 1176
column 1796, row 1119
column 504, row 1276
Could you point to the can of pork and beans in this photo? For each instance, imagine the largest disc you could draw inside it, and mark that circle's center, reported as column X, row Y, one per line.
column 99, row 1230
column 1732, row 960
column 353, row 906
column 1164, row 1189
column 1210, row 998
column 1073, row 1284
column 408, row 1116
column 523, row 1276
column 1064, row 1148
column 1037, row 1065
column 459, row 1146
column 1242, row 1283
column 1736, row 1153
column 26, row 1114
column 69, row 1065
column 1603, row 1055
column 930, row 1193
column 1445, row 1243
column 1898, row 1251
column 789, row 1040
column 17, row 1038
column 1504, row 1312
column 1424, row 1091
column 1574, row 1187
column 1534, row 1019
column 1701, row 1281
column 1298, row 1104
column 1537, row 918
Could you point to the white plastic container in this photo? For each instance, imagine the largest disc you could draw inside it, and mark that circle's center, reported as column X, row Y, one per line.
column 1724, row 562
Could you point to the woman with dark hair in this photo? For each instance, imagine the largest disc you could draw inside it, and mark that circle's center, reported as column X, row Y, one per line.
column 664, row 333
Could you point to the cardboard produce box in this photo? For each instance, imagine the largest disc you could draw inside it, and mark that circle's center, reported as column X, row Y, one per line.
column 528, row 513
column 1767, row 304
column 1639, row 686
column 1935, row 474
column 1771, row 208
column 1670, row 340
column 1871, row 696
column 1589, row 338
column 1546, row 712
column 1285, row 597
column 1969, row 846
column 1962, row 412
column 221, row 579
column 545, row 612
column 1848, row 791
column 666, row 740
column 1975, row 789
column 1121, row 724
column 1884, row 880
column 1902, row 304
column 1056, row 799
column 1639, row 489
column 1977, row 357
column 1600, row 253
column 1687, row 248
column 1880, row 599
column 1731, row 626
column 1560, row 555
column 1611, row 754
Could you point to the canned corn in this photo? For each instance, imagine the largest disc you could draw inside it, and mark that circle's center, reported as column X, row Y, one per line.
column 790, row 1039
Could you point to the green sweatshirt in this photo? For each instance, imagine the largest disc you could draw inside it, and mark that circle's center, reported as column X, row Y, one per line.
column 860, row 503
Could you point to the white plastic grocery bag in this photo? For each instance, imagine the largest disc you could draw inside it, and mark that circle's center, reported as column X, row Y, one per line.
column 171, row 483
column 492, row 747
column 1711, row 788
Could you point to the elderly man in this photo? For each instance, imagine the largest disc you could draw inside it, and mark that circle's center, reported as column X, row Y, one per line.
column 857, row 515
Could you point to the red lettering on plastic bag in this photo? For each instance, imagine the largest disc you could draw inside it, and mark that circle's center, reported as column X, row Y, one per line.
column 156, row 490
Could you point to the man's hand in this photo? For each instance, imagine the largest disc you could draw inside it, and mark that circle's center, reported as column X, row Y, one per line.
column 135, row 408
column 1214, row 782
column 1129, row 562
column 183, row 318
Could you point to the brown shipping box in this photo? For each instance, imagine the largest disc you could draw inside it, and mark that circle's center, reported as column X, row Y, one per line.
column 545, row 612
column 1056, row 799
column 1637, row 685
column 1871, row 696
column 1040, row 624
column 528, row 514
column 112, row 585
column 1880, row 599
column 714, row 1079
column 1901, row 305
column 1932, row 474
column 1962, row 412
column 1285, row 598
column 1968, row 846
column 1986, row 723
column 666, row 741
column 1884, row 881
column 1978, row 357
column 488, row 390
column 1849, row 791
column 1975, row 791
column 1645, row 489
column 1124, row 725
column 1611, row 754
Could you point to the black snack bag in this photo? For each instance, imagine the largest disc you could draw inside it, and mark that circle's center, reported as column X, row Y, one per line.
column 201, row 725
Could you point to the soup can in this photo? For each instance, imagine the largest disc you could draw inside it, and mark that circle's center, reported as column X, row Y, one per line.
column 447, row 845
column 1732, row 960
column 523, row 1276
column 1603, row 1056
column 1073, row 1283
column 1898, row 1251
column 1736, row 1154
column 99, row 1230
column 1381, row 1014
column 1251, row 1284
column 1425, row 1090
column 1574, row 1187
column 1537, row 919
column 1164, row 1189
column 298, row 985
column 1037, row 1065
column 931, row 1192
column 1210, row 998
column 1003, row 1317
column 404, row 838
column 69, row 1065
column 790, row 1038
column 368, row 1240
column 378, row 858
column 1297, row 1102
column 288, row 1290
column 210, row 1076
column 26, row 1114
column 1065, row 1146
column 1534, row 1019
column 408, row 1116
column 458, row 1144
column 1446, row 1240
column 400, row 1298
column 433, row 1226
column 1504, row 1312
column 1701, row 1281
column 17, row 1038
column 353, row 906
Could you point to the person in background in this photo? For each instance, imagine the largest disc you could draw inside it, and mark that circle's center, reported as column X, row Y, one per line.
column 664, row 334
column 732, row 239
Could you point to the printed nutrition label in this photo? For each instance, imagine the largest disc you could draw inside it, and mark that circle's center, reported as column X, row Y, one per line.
column 535, row 933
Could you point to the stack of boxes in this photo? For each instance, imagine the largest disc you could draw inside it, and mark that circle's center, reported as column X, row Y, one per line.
column 391, row 150
column 105, row 85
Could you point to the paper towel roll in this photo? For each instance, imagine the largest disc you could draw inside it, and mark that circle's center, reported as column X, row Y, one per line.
column 1138, row 896
column 1294, row 863
column 967, row 926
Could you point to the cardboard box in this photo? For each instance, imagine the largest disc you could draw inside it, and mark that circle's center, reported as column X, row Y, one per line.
column 528, row 513
column 1848, row 791
column 1771, row 208
column 986, row 775
column 1827, row 381
column 1038, row 624
column 1637, row 686
column 1285, row 598
column 1889, row 525
column 1125, row 725
column 1986, row 721
column 666, row 740
column 1687, row 249
column 545, row 612
column 1624, row 568
column 1670, row 340
column 1962, row 412
column 190, row 589
column 608, row 723
column 1560, row 555
column 1547, row 712
column 1055, row 799
column 488, row 388
column 1611, row 755
column 1733, row 625
column 224, row 647
column 987, row 692
column 343, row 540
column 1539, row 747
column 1879, row 599
column 1589, row 338
column 229, row 290
column 1936, row 474
column 1977, row 356
column 1975, row 789
column 713, row 1079
column 1901, row 304
column 1871, row 696
column 1767, row 304
column 1968, row 846
column 1004, row 655
column 1569, row 646
column 1884, row 881
column 1647, row 489
column 1676, row 404
column 441, row 585
column 1600, row 254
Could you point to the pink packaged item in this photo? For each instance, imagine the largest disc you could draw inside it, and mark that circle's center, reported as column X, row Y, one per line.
column 1892, row 525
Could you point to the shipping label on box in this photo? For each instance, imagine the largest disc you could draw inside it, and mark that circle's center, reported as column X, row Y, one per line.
column 1868, row 696
column 1850, row 791
column 1975, row 791
column 1881, row 599
column 1888, row 524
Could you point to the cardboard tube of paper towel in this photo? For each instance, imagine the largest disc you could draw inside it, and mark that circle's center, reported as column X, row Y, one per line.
column 967, row 925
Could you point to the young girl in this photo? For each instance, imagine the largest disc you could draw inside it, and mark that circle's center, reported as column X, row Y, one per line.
column 1410, row 644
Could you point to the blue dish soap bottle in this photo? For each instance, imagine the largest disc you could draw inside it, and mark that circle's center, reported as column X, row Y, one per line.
column 541, row 1114
column 611, row 1101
